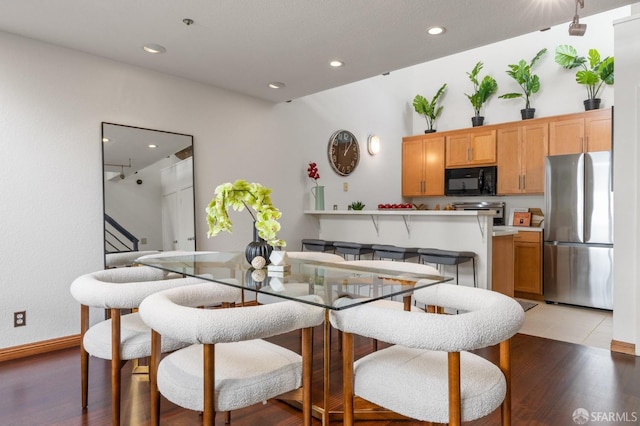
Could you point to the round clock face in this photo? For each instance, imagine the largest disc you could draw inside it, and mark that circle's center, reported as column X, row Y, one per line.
column 344, row 152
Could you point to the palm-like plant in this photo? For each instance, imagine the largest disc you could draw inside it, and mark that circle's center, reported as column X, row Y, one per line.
column 428, row 108
column 483, row 89
column 594, row 76
column 530, row 83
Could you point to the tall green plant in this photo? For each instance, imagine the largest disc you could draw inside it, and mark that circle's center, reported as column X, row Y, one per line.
column 529, row 83
column 594, row 73
column 483, row 89
column 428, row 108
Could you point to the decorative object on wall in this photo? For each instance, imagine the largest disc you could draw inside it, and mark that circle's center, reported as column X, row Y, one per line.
column 528, row 82
column 575, row 27
column 317, row 191
column 373, row 144
column 429, row 109
column 344, row 152
column 594, row 72
column 483, row 90
column 240, row 195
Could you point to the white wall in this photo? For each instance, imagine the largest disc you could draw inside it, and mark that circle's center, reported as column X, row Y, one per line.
column 627, row 191
column 54, row 99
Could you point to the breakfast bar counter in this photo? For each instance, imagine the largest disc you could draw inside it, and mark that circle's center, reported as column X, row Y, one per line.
column 443, row 229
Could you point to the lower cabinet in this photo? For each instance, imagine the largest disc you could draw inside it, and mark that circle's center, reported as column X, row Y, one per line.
column 527, row 248
column 502, row 265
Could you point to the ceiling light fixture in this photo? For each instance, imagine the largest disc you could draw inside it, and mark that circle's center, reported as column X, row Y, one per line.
column 105, row 139
column 575, row 27
column 336, row 63
column 276, row 85
column 436, row 30
column 187, row 21
column 154, row 48
column 152, row 145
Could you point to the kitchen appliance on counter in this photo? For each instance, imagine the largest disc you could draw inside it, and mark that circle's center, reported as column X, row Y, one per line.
column 471, row 181
column 498, row 219
column 578, row 232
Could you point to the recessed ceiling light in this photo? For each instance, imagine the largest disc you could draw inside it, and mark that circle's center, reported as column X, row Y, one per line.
column 154, row 48
column 105, row 139
column 152, row 145
column 276, row 85
column 436, row 30
column 336, row 63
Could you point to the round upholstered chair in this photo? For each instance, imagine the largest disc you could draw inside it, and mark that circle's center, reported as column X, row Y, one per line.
column 228, row 365
column 429, row 373
column 123, row 336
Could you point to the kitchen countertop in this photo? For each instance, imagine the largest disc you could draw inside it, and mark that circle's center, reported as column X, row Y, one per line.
column 516, row 228
column 504, row 232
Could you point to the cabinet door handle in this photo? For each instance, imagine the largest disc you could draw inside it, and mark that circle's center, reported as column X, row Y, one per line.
column 519, row 179
column 524, row 181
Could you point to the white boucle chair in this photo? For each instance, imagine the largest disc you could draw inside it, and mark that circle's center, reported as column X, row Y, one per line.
column 428, row 373
column 316, row 255
column 123, row 337
column 228, row 366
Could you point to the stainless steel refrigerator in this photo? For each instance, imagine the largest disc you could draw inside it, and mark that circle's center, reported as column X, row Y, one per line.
column 578, row 230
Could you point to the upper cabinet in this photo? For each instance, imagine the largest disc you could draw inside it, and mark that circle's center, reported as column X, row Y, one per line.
column 475, row 146
column 422, row 166
column 521, row 152
column 584, row 132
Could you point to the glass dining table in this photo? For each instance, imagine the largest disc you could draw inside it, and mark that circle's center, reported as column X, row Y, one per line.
column 334, row 286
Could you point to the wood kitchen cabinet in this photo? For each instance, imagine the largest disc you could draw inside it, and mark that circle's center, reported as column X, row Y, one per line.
column 423, row 166
column 520, row 152
column 577, row 133
column 471, row 147
column 527, row 248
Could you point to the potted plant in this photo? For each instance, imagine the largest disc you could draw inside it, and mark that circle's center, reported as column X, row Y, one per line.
column 357, row 205
column 240, row 195
column 483, row 90
column 594, row 72
column 529, row 83
column 428, row 109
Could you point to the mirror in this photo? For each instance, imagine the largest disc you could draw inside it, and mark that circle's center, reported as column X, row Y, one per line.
column 148, row 192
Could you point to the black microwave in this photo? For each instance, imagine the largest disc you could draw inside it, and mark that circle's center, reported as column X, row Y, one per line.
column 471, row 181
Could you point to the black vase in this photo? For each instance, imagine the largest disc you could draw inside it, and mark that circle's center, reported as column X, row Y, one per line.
column 430, row 131
column 477, row 121
column 590, row 104
column 258, row 247
column 527, row 113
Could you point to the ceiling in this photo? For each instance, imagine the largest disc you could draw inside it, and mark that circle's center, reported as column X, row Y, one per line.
column 243, row 45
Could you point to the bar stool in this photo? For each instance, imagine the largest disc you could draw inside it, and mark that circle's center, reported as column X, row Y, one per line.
column 346, row 248
column 394, row 252
column 448, row 257
column 318, row 245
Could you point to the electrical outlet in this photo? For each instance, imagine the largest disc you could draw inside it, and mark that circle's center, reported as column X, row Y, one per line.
column 19, row 318
column 345, row 186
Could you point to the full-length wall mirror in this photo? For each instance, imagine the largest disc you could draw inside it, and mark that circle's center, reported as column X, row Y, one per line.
column 148, row 190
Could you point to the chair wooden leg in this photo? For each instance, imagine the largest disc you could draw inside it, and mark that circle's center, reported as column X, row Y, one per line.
column 84, row 355
column 156, row 345
column 455, row 404
column 347, row 377
column 307, row 374
column 505, row 366
column 115, row 366
column 209, row 416
column 227, row 417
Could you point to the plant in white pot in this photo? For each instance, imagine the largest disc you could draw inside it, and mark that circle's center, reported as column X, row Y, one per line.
column 483, row 90
column 429, row 109
column 528, row 82
column 594, row 72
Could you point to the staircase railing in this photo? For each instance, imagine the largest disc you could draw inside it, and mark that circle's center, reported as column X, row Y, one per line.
column 118, row 239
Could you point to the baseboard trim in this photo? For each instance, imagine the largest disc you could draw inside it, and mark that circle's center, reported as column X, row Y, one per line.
column 36, row 348
column 623, row 347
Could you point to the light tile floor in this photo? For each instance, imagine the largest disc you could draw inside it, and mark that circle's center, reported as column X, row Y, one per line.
column 590, row 327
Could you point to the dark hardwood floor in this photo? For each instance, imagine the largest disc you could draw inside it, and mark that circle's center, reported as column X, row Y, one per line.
column 551, row 379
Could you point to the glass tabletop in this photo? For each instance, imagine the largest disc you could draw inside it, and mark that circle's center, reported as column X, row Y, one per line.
column 328, row 285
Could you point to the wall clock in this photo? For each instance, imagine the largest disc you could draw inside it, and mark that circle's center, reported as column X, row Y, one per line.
column 344, row 152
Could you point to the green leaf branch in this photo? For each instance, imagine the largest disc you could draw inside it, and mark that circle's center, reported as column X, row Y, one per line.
column 238, row 196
